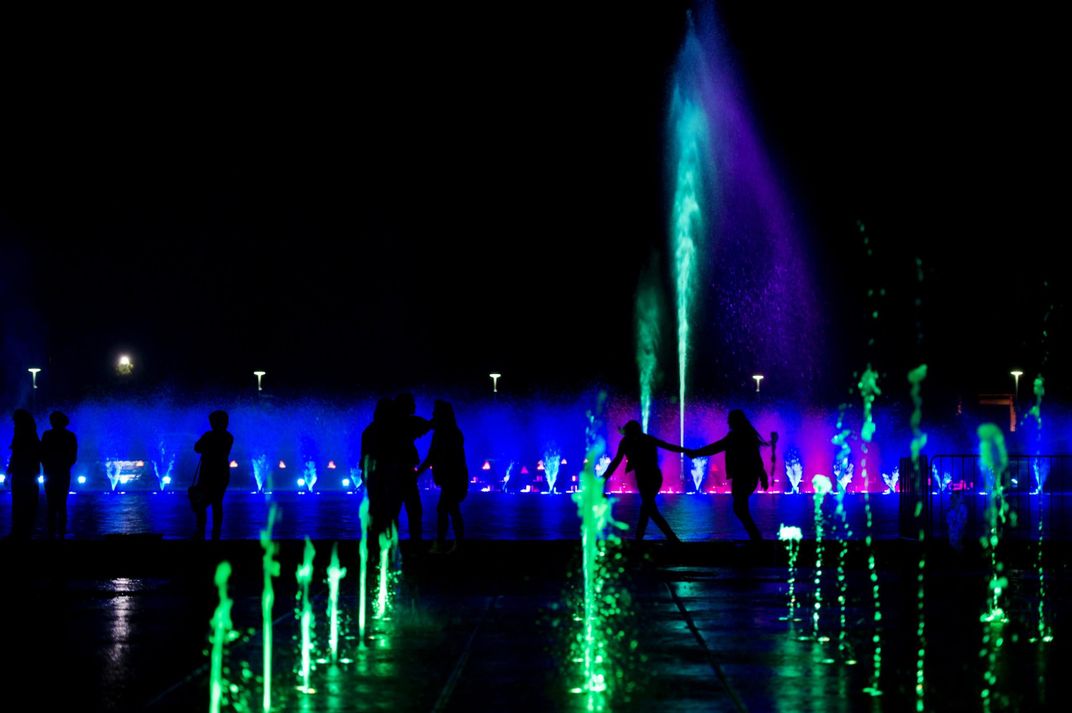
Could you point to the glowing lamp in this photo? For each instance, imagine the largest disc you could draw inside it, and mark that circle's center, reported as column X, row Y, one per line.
column 495, row 383
column 331, row 465
column 346, row 482
column 282, row 465
column 486, row 466
column 81, row 479
column 563, row 461
column 758, row 378
column 259, row 375
column 34, row 371
column 234, row 464
column 139, row 464
column 1016, row 374
column 125, row 365
column 301, row 482
column 539, row 465
column 166, row 480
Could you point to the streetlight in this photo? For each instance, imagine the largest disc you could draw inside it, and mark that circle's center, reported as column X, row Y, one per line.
column 758, row 378
column 1016, row 374
column 33, row 375
column 259, row 375
column 125, row 365
column 494, row 383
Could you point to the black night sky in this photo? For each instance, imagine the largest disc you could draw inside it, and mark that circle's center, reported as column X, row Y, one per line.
column 416, row 197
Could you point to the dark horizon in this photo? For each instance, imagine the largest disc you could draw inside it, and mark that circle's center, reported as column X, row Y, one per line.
column 402, row 199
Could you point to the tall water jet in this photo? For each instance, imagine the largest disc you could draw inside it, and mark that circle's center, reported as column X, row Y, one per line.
column 387, row 541
column 304, row 575
column 594, row 509
column 270, row 568
column 1041, row 471
column 869, row 390
column 919, row 440
column 995, row 460
column 163, row 468
column 843, row 533
column 791, row 536
column 821, row 486
column 222, row 632
column 335, row 574
column 688, row 131
column 362, row 574
column 648, row 319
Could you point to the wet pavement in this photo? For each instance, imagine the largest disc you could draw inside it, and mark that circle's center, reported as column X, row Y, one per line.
column 122, row 624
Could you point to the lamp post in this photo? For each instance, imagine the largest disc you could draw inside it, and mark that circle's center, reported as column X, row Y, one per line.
column 259, row 375
column 1016, row 374
column 758, row 378
column 494, row 383
column 34, row 371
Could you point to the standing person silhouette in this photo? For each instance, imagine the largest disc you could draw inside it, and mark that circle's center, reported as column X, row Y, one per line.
column 409, row 427
column 23, row 469
column 744, row 465
column 446, row 458
column 213, row 473
column 375, row 467
column 641, row 452
column 59, row 451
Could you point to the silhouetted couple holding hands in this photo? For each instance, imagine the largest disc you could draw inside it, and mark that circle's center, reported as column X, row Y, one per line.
column 744, row 468
column 56, row 452
column 392, row 465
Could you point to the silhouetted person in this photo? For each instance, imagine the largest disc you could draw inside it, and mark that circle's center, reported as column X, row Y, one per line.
column 59, row 451
column 23, row 469
column 408, row 428
column 641, row 452
column 446, row 458
column 376, row 467
column 213, row 473
column 744, row 465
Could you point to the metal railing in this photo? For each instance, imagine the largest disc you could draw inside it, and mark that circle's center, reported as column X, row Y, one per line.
column 956, row 490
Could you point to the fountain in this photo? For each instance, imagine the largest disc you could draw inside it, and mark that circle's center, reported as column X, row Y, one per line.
column 791, row 536
column 919, row 440
column 821, row 486
column 699, row 468
column 335, row 574
column 995, row 460
column 648, row 317
column 271, row 569
column 868, row 387
column 552, row 461
column 222, row 633
column 304, row 575
column 362, row 573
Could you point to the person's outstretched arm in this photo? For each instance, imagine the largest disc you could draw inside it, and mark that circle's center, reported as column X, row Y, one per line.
column 709, row 450
column 613, row 465
column 665, row 445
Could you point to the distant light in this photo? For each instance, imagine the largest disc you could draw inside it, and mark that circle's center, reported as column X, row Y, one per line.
column 346, row 482
column 331, row 465
column 82, row 479
column 259, row 375
column 125, row 365
column 758, row 378
column 282, row 465
column 562, row 462
column 301, row 482
column 495, row 382
column 524, row 470
column 3, row 478
column 234, row 464
column 34, row 371
column 41, row 479
column 486, row 466
column 539, row 465
column 166, row 480
column 139, row 464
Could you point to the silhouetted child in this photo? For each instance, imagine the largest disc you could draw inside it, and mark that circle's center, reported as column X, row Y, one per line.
column 23, row 469
column 744, row 465
column 446, row 458
column 641, row 452
column 59, row 451
column 213, row 474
